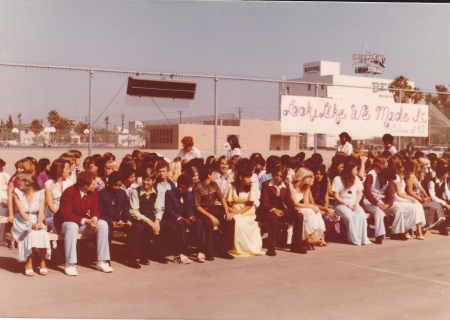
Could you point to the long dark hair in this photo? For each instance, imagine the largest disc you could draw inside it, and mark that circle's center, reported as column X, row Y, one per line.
column 243, row 171
column 319, row 189
column 335, row 162
column 234, row 141
column 42, row 165
column 348, row 179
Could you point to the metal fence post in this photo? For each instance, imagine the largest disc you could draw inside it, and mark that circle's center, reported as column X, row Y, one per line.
column 91, row 78
column 399, row 137
column 215, row 114
column 315, row 134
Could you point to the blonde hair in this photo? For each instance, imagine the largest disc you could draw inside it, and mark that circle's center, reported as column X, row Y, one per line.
column 111, row 164
column 233, row 161
column 300, row 175
column 423, row 161
column 174, row 170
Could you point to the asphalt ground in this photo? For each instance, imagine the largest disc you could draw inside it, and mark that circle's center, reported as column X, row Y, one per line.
column 395, row 280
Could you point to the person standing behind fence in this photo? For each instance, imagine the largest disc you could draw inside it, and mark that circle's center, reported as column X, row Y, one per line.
column 28, row 227
column 188, row 152
column 345, row 146
column 388, row 141
column 235, row 147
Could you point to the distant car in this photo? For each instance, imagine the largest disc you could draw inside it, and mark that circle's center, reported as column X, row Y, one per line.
column 377, row 148
column 439, row 150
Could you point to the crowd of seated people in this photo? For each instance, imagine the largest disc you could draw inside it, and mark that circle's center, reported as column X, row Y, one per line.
column 198, row 209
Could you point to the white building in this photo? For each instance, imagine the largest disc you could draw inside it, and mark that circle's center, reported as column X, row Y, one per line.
column 355, row 87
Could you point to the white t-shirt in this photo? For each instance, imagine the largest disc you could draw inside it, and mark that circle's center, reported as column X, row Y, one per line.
column 348, row 195
column 187, row 156
column 347, row 148
column 233, row 152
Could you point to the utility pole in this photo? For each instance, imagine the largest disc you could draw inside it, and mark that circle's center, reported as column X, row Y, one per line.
column 107, row 122
column 85, row 119
column 180, row 112
column 240, row 112
column 123, row 118
column 19, row 116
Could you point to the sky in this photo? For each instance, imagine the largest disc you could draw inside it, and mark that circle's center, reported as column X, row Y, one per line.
column 227, row 38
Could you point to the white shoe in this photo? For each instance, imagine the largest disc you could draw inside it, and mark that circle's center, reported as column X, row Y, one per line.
column 201, row 257
column 103, row 266
column 184, row 260
column 70, row 269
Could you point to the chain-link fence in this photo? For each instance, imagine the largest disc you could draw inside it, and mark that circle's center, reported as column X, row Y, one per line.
column 48, row 110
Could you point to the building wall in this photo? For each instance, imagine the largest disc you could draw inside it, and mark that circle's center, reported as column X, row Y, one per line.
column 252, row 134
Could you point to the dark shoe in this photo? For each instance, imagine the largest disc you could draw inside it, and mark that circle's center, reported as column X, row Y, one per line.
column 271, row 252
column 209, row 257
column 379, row 240
column 134, row 264
column 443, row 230
column 144, row 262
column 300, row 249
column 226, row 255
column 398, row 236
column 161, row 260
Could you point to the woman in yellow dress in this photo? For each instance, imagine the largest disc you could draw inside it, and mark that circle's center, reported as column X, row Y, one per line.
column 240, row 196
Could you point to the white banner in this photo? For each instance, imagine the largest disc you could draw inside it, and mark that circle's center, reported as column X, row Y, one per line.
column 369, row 118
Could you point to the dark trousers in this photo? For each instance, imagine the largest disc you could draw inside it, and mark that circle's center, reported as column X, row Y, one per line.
column 226, row 234
column 144, row 233
column 177, row 237
column 290, row 216
column 132, row 238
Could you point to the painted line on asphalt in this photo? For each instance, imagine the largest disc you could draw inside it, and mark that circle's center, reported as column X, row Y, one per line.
column 392, row 272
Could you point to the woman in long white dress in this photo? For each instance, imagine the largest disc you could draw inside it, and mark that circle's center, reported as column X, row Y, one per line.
column 28, row 226
column 54, row 187
column 313, row 224
column 413, row 213
column 348, row 191
column 240, row 195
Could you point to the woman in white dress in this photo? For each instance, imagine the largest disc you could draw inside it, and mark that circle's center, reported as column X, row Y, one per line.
column 240, row 195
column 54, row 187
column 348, row 191
column 28, row 227
column 413, row 213
column 313, row 224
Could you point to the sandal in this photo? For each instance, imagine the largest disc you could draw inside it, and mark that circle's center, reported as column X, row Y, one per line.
column 29, row 272
column 43, row 272
column 407, row 236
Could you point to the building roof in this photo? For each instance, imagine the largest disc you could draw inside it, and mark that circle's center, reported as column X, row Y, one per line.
column 197, row 119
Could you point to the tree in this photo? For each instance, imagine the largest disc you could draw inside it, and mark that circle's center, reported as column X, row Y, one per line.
column 407, row 96
column 36, row 126
column 441, row 101
column 9, row 124
column 80, row 127
column 53, row 117
column 62, row 125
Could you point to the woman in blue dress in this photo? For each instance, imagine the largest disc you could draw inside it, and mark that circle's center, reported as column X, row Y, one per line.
column 28, row 228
